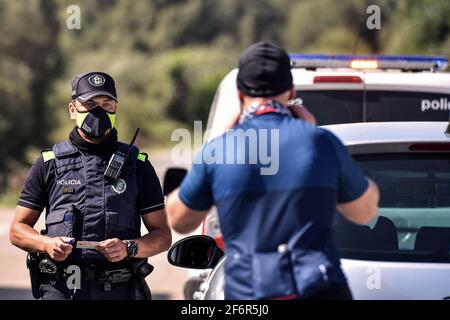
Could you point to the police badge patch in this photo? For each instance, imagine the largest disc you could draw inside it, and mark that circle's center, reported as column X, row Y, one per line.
column 120, row 186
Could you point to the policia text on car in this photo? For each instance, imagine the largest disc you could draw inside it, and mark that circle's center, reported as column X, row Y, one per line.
column 95, row 191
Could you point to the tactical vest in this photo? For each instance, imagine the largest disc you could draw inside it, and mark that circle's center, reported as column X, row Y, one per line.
column 84, row 205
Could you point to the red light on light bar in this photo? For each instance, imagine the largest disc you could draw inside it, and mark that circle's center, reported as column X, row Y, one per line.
column 444, row 146
column 337, row 79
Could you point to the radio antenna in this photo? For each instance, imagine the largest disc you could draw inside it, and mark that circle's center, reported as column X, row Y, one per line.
column 131, row 144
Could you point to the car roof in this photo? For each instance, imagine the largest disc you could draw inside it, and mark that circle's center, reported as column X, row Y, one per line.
column 389, row 132
column 386, row 80
column 391, row 80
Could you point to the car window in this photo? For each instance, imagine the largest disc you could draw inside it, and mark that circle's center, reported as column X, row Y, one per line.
column 414, row 210
column 342, row 106
column 407, row 106
column 334, row 106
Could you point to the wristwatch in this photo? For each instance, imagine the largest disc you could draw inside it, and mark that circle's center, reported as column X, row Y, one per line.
column 132, row 248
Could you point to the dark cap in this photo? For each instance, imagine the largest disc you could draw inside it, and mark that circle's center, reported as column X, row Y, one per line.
column 88, row 85
column 264, row 70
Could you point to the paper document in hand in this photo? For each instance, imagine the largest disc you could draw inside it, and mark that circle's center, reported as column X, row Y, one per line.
column 87, row 245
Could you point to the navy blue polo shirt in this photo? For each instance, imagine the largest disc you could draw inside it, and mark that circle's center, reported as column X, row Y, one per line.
column 259, row 212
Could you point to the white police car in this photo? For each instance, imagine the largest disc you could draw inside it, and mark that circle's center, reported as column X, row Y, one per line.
column 405, row 252
column 345, row 89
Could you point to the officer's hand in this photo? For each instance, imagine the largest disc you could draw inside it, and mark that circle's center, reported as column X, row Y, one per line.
column 113, row 249
column 59, row 248
column 300, row 112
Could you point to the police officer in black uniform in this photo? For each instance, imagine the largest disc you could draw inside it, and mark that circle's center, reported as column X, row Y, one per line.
column 92, row 247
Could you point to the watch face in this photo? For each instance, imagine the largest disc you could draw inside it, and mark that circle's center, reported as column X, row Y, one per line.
column 132, row 248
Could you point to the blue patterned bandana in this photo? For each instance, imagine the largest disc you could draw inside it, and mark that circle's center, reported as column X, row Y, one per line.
column 257, row 108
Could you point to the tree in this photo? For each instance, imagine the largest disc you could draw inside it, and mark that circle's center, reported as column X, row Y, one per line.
column 29, row 62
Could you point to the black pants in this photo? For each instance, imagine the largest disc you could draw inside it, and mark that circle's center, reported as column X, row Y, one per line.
column 90, row 290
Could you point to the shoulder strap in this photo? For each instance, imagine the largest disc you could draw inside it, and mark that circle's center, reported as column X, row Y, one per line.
column 63, row 149
column 66, row 156
column 59, row 150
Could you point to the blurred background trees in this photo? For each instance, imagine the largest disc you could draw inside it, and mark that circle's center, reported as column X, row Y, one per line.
column 168, row 56
column 30, row 62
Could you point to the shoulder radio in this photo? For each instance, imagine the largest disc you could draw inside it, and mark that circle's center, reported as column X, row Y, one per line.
column 117, row 162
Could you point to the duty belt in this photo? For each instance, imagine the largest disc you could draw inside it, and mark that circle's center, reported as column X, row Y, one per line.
column 102, row 275
column 106, row 277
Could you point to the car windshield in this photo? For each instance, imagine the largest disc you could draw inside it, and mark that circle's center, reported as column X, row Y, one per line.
column 346, row 106
column 414, row 210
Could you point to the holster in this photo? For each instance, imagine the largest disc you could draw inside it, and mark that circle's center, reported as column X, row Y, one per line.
column 141, row 269
column 33, row 260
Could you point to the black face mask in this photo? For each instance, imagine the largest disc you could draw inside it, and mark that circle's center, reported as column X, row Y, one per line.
column 95, row 122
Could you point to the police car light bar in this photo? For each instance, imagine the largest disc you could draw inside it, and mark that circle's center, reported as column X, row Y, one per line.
column 401, row 62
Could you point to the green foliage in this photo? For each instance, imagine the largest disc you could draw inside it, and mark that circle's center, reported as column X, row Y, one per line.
column 168, row 56
column 29, row 62
column 9, row 198
column 422, row 28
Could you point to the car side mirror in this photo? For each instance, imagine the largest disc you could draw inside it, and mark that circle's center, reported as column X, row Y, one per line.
column 173, row 179
column 195, row 252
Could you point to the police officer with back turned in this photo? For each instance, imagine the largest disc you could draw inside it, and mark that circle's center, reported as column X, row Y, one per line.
column 91, row 247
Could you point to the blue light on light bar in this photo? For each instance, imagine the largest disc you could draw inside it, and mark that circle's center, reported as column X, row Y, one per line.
column 402, row 62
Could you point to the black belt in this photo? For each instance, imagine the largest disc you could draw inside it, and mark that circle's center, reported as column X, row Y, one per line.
column 98, row 263
column 111, row 274
column 102, row 274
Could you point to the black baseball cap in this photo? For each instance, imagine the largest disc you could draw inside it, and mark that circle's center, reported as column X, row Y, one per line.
column 88, row 85
column 264, row 70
